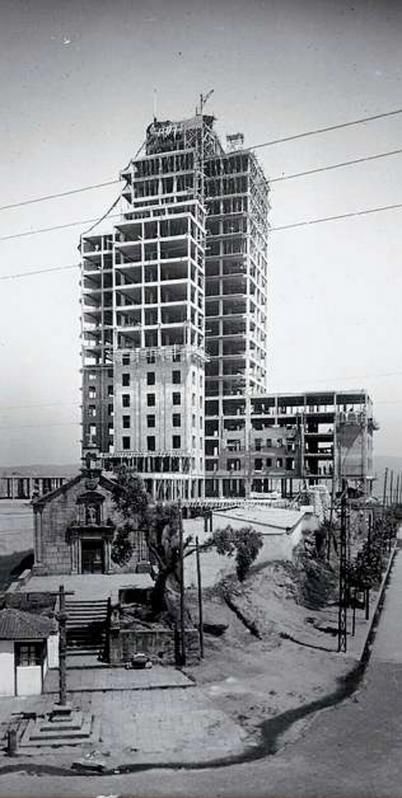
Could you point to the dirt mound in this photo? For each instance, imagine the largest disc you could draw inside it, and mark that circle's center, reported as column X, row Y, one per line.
column 317, row 582
column 262, row 607
column 275, row 653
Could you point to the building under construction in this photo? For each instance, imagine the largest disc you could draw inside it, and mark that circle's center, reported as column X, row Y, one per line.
column 279, row 442
column 175, row 336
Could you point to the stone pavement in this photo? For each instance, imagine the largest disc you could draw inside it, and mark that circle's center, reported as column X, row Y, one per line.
column 162, row 726
column 136, row 726
column 80, row 680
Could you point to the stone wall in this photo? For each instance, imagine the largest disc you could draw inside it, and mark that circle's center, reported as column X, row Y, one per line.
column 159, row 644
column 40, row 603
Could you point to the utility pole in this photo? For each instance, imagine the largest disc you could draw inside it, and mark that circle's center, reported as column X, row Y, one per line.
column 199, row 586
column 384, row 496
column 343, row 582
column 391, row 496
column 331, row 515
column 182, row 620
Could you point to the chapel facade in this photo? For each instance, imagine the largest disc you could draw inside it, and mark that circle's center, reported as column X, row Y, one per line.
column 74, row 527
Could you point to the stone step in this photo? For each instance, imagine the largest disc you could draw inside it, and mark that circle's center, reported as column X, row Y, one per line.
column 87, row 612
column 84, row 643
column 85, row 634
column 79, row 621
column 88, row 605
column 87, row 608
column 63, row 723
column 35, row 737
column 82, row 651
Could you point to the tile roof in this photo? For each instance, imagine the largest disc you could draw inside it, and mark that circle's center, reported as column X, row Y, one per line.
column 19, row 625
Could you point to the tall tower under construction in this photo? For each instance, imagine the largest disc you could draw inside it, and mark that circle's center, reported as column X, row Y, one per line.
column 174, row 312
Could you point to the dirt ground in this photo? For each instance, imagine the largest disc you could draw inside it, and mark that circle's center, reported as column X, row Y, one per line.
column 294, row 661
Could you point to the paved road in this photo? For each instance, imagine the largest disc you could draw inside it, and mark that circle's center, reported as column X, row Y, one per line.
column 354, row 749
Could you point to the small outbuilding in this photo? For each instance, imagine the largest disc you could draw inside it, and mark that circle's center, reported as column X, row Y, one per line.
column 28, row 648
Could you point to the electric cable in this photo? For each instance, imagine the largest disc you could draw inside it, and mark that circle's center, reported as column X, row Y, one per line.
column 336, row 217
column 320, row 130
column 38, row 230
column 58, row 195
column 39, row 271
column 330, row 167
column 270, row 143
column 302, row 223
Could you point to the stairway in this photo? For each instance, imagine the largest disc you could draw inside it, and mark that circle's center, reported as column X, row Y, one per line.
column 86, row 626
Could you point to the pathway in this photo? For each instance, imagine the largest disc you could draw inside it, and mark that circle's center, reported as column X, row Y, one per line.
column 98, row 679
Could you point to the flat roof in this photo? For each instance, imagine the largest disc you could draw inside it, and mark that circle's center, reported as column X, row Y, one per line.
column 267, row 520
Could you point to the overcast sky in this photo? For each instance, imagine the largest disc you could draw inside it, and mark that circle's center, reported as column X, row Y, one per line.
column 78, row 81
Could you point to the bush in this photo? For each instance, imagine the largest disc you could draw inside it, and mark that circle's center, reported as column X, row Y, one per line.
column 244, row 544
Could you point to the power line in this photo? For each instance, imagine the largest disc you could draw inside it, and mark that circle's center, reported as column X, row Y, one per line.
column 37, row 404
column 307, row 222
column 50, row 424
column 344, row 377
column 270, row 143
column 56, row 227
column 304, row 223
column 272, row 229
column 59, row 194
column 335, row 166
column 273, row 393
column 39, row 271
column 113, row 205
column 327, row 129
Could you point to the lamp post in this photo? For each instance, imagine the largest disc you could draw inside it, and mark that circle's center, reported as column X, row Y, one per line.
column 199, row 587
column 343, row 585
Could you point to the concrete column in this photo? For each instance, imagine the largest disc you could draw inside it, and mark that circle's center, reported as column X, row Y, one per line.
column 38, row 542
column 74, row 555
column 35, row 538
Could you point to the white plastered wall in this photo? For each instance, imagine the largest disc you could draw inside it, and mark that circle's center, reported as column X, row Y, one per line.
column 7, row 684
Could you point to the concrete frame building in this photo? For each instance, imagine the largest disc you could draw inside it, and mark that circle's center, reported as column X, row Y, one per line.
column 282, row 441
column 190, row 244
column 24, row 486
column 175, row 334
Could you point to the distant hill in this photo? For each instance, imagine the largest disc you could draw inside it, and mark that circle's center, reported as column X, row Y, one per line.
column 39, row 470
